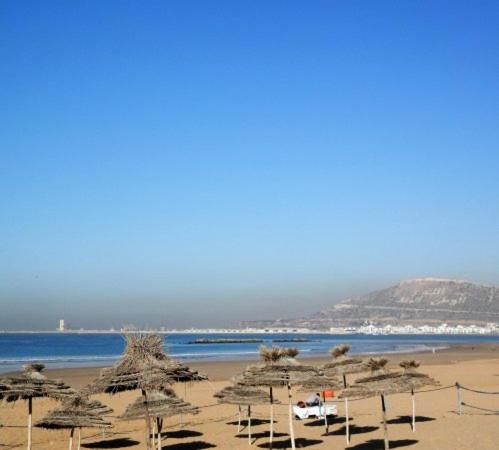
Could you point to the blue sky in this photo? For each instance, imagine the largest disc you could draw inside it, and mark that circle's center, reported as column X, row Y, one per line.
column 189, row 163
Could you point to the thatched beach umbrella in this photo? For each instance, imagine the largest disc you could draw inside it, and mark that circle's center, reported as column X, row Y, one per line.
column 76, row 413
column 241, row 395
column 321, row 383
column 158, row 405
column 415, row 380
column 30, row 384
column 284, row 371
column 381, row 382
column 344, row 365
column 146, row 367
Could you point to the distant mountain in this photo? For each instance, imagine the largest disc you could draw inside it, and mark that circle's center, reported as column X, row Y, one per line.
column 417, row 302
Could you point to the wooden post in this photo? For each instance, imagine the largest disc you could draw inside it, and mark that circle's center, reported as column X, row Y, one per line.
column 385, row 427
column 153, row 437
column 291, row 430
column 30, row 422
column 148, row 421
column 249, row 424
column 459, row 402
column 71, row 433
column 239, row 419
column 79, row 438
column 325, row 412
column 413, row 410
column 159, row 426
column 271, row 437
column 347, row 419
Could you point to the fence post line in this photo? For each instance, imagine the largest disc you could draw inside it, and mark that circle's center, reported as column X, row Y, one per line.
column 459, row 402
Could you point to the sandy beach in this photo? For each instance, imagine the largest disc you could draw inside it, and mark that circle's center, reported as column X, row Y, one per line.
column 438, row 424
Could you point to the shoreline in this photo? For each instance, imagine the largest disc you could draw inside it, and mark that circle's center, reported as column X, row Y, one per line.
column 224, row 370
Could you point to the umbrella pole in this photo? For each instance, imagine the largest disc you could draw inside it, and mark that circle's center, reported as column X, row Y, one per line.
column 413, row 410
column 249, row 424
column 71, row 433
column 30, row 421
column 347, row 419
column 325, row 413
column 79, row 438
column 239, row 418
column 291, row 430
column 271, row 437
column 153, row 437
column 148, row 422
column 385, row 427
column 159, row 426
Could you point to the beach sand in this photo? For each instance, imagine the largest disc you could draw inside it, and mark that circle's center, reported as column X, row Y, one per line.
column 438, row 426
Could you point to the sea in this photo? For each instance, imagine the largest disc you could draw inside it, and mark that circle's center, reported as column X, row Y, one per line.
column 70, row 350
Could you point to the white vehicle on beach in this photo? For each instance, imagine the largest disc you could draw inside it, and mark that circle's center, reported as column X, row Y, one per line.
column 305, row 412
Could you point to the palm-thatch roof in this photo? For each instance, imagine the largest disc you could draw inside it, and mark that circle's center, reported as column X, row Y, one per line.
column 321, row 383
column 158, row 404
column 77, row 412
column 384, row 382
column 243, row 396
column 342, row 364
column 144, row 365
column 278, row 368
column 31, row 383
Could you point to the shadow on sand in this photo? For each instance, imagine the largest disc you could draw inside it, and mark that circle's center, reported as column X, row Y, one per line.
column 331, row 420
column 378, row 444
column 112, row 443
column 260, row 435
column 180, row 434
column 196, row 445
column 408, row 420
column 254, row 422
column 354, row 429
column 300, row 443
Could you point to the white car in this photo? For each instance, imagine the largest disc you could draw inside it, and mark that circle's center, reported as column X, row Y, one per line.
column 314, row 411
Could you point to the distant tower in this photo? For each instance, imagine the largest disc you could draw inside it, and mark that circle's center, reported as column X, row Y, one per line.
column 62, row 325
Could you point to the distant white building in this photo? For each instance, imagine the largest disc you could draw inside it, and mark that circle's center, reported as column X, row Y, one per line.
column 62, row 325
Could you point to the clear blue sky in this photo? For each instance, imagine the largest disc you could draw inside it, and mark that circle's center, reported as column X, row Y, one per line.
column 177, row 163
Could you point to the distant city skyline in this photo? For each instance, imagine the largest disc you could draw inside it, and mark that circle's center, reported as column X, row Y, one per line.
column 203, row 163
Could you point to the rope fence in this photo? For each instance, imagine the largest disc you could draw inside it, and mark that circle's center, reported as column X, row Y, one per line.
column 461, row 403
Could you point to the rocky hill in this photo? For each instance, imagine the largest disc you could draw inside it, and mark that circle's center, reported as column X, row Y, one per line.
column 417, row 302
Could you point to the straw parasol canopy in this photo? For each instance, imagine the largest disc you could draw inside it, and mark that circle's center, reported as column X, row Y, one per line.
column 144, row 365
column 343, row 365
column 278, row 368
column 415, row 380
column 242, row 395
column 77, row 412
column 158, row 404
column 381, row 382
column 30, row 384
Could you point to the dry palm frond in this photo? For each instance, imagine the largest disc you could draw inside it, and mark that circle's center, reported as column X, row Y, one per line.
column 340, row 350
column 291, row 352
column 409, row 365
column 376, row 365
column 270, row 355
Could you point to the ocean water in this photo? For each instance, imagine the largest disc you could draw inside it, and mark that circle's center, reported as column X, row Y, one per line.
column 60, row 350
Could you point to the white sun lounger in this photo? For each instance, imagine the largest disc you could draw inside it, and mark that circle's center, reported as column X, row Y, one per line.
column 314, row 411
